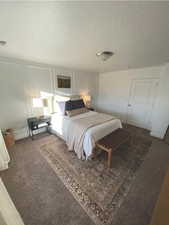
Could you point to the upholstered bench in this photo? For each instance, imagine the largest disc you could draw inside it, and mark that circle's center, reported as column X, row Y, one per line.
column 112, row 142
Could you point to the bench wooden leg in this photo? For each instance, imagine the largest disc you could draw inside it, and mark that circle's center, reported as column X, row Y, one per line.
column 110, row 158
column 94, row 153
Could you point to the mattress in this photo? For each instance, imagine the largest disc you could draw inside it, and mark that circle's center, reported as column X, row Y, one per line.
column 60, row 126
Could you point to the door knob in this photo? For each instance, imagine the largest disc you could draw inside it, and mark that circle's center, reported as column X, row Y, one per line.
column 129, row 105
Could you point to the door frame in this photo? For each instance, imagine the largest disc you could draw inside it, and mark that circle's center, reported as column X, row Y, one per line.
column 155, row 79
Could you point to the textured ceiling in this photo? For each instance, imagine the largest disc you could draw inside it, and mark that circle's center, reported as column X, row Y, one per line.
column 69, row 34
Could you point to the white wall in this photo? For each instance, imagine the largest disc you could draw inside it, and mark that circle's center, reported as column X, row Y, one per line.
column 114, row 90
column 82, row 83
column 160, row 118
column 20, row 82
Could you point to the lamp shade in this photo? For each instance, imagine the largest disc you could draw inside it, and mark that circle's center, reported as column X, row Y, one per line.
column 37, row 102
column 87, row 98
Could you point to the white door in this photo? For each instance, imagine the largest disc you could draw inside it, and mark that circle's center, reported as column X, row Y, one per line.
column 8, row 213
column 141, row 102
column 4, row 156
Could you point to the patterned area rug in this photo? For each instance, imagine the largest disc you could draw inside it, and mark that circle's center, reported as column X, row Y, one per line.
column 99, row 190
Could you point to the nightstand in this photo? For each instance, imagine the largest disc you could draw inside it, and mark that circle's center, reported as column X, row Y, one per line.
column 36, row 123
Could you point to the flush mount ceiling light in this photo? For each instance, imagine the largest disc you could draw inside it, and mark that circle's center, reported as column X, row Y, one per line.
column 105, row 55
column 2, row 43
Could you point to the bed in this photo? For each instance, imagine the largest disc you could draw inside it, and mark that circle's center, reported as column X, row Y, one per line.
column 63, row 126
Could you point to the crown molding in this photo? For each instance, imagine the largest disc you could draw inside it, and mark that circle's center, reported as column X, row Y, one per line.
column 24, row 62
column 41, row 65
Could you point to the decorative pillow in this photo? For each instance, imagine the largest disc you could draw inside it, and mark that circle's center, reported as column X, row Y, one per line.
column 76, row 104
column 75, row 112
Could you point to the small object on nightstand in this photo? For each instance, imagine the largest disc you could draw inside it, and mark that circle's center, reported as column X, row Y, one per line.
column 9, row 138
column 36, row 123
column 91, row 109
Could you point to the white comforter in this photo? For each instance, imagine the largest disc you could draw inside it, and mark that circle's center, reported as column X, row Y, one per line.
column 60, row 126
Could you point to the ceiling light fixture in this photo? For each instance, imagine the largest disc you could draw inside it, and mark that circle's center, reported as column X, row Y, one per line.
column 2, row 43
column 105, row 55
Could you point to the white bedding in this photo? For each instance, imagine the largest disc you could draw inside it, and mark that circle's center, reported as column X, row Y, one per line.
column 60, row 126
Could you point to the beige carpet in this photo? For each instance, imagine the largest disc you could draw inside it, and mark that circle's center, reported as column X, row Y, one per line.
column 99, row 190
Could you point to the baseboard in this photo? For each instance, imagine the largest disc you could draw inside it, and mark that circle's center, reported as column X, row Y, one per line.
column 156, row 134
column 22, row 133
